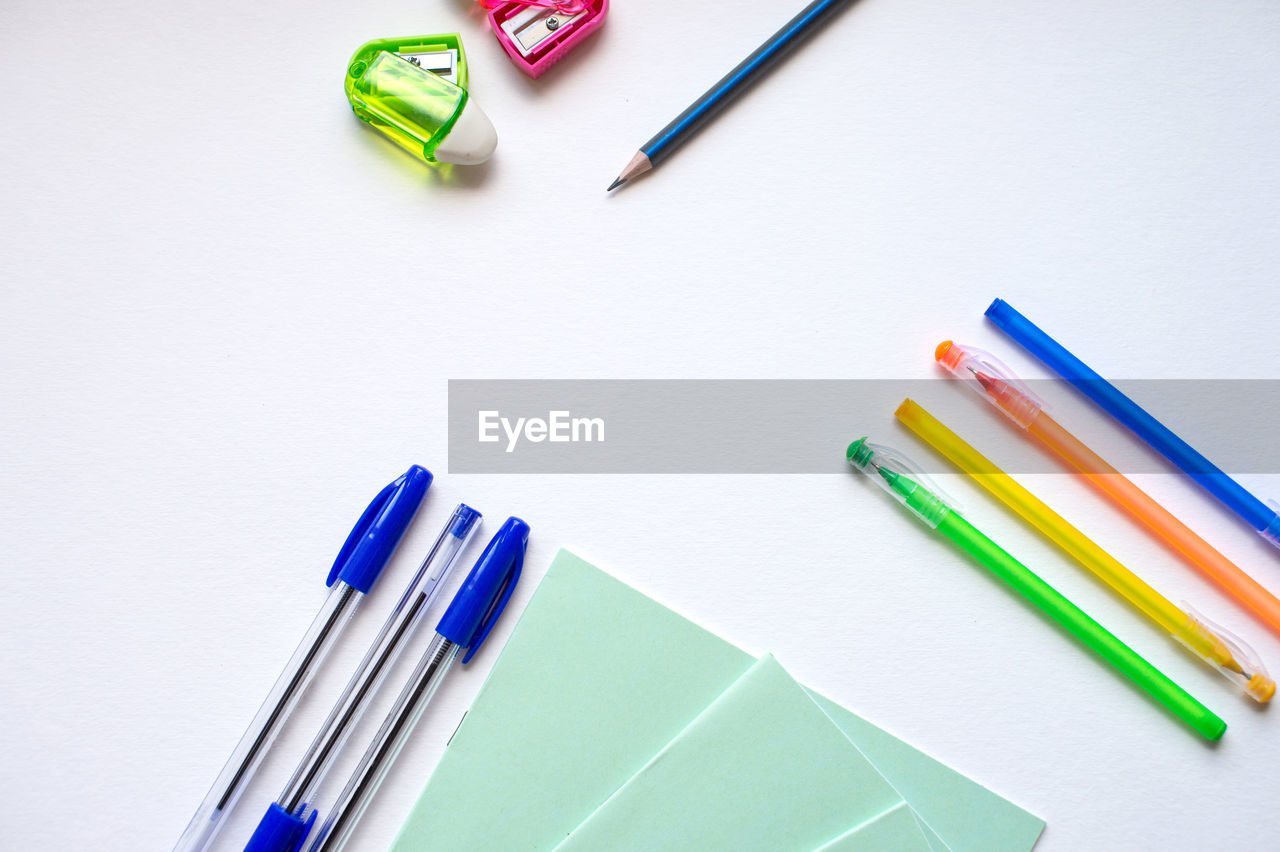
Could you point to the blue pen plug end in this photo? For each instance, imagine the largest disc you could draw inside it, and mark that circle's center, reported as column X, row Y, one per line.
column 279, row 831
column 465, row 518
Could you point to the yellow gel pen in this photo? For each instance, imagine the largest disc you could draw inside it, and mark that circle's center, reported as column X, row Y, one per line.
column 1226, row 653
column 903, row 481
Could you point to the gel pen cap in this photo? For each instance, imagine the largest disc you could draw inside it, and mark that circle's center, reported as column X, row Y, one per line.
column 288, row 819
column 465, row 626
column 359, row 564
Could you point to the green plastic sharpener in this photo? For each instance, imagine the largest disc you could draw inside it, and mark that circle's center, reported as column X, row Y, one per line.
column 414, row 90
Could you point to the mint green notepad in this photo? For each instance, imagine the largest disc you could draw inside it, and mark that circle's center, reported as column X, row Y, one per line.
column 969, row 817
column 887, row 832
column 595, row 680
column 762, row 769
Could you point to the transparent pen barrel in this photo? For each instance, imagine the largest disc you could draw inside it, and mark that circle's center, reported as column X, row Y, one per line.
column 257, row 739
column 299, row 795
column 386, row 745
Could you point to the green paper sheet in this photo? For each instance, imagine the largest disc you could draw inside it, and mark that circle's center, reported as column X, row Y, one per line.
column 762, row 769
column 595, row 680
column 891, row 831
column 969, row 817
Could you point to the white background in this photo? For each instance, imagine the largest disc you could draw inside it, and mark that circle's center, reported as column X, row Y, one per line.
column 230, row 311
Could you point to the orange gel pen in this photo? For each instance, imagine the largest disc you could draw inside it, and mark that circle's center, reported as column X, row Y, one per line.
column 997, row 384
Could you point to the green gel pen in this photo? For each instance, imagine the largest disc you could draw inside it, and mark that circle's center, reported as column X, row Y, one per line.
column 897, row 475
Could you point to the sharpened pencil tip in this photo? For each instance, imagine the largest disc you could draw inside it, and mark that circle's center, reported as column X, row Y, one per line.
column 616, row 183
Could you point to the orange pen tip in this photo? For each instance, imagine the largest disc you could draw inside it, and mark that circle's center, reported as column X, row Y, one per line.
column 941, row 352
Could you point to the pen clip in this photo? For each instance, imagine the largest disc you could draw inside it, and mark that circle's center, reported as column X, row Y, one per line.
column 381, row 526
column 509, row 586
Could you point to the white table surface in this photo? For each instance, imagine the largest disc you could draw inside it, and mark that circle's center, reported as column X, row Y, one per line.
column 230, row 312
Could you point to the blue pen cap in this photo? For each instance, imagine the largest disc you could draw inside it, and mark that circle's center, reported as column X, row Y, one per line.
column 485, row 592
column 374, row 537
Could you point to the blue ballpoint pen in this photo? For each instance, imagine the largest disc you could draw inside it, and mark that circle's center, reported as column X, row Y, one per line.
column 288, row 819
column 465, row 625
column 1260, row 516
column 359, row 563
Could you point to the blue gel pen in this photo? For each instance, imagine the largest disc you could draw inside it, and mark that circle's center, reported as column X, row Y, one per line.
column 359, row 563
column 290, row 816
column 465, row 625
column 1106, row 396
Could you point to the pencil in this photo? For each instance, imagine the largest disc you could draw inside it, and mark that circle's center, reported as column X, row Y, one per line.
column 719, row 96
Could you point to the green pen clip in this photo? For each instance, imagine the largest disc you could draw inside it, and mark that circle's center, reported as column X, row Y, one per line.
column 414, row 90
